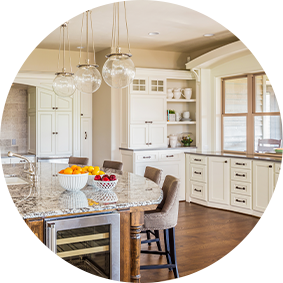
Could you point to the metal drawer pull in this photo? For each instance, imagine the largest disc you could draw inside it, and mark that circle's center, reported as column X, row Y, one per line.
column 54, row 175
column 197, row 172
column 169, row 155
column 240, row 163
column 270, row 166
column 53, row 133
column 240, row 175
column 144, row 157
column 199, row 191
column 226, row 161
column 148, row 122
column 240, row 188
column 197, row 159
column 238, row 200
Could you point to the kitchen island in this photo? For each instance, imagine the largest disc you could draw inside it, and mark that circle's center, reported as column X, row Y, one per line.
column 45, row 199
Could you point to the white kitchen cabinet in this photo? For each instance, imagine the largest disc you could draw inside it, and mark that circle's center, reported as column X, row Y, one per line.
column 219, row 180
column 32, row 132
column 86, row 105
column 172, row 162
column 146, row 84
column 54, row 134
column 47, row 100
column 276, row 174
column 6, row 160
column 263, row 178
column 157, row 85
column 86, row 138
column 139, row 85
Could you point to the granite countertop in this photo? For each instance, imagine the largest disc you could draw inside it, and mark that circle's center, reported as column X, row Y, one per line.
column 5, row 155
column 48, row 198
column 182, row 148
column 232, row 155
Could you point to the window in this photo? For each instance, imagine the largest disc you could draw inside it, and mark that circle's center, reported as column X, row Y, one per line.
column 251, row 120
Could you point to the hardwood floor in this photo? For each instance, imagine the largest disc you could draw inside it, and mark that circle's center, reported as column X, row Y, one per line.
column 203, row 236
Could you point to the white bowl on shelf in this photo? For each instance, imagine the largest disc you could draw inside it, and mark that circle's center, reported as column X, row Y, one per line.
column 72, row 182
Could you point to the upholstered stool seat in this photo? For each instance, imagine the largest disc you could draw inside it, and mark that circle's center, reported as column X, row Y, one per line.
column 109, row 164
column 165, row 218
column 78, row 160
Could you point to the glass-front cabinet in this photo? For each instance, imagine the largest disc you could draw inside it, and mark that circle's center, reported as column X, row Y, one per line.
column 91, row 243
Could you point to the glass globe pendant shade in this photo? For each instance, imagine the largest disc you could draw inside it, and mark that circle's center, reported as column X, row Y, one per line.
column 63, row 84
column 118, row 70
column 87, row 78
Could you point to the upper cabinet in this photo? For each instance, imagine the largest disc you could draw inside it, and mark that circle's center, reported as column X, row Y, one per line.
column 145, row 84
column 47, row 100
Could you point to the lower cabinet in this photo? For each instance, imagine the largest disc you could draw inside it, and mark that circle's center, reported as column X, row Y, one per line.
column 219, row 180
column 263, row 178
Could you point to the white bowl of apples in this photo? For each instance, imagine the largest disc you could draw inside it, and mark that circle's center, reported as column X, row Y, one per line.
column 105, row 182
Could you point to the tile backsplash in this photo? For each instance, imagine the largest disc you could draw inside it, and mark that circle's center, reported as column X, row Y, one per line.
column 13, row 136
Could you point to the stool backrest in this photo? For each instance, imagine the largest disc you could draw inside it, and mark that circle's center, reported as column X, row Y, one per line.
column 78, row 160
column 117, row 165
column 153, row 174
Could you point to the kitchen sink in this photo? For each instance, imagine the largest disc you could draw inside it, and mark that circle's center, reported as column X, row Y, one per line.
column 14, row 180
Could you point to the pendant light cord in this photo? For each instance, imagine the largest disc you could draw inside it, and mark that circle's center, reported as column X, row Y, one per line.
column 81, row 38
column 93, row 50
column 127, row 27
column 69, row 48
column 59, row 50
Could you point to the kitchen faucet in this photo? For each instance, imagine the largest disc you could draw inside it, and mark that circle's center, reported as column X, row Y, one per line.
column 31, row 170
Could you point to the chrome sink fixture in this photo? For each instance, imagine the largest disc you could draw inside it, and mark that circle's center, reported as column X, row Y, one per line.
column 14, row 180
column 31, row 170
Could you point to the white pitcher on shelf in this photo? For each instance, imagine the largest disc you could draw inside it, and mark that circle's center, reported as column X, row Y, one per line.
column 187, row 93
column 169, row 93
column 177, row 93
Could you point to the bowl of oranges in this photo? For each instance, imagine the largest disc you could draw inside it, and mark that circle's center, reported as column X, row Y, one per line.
column 92, row 172
column 73, row 178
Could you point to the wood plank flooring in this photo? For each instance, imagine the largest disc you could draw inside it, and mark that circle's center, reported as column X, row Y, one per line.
column 203, row 236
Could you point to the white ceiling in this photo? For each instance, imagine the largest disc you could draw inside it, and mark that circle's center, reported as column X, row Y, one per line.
column 181, row 23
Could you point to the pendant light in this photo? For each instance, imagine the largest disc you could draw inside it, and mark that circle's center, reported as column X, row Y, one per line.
column 64, row 84
column 119, row 70
column 87, row 77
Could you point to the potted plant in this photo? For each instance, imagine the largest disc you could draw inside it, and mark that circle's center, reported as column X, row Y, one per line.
column 186, row 140
column 171, row 115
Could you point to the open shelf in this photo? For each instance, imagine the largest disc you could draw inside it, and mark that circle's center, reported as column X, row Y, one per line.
column 182, row 123
column 181, row 100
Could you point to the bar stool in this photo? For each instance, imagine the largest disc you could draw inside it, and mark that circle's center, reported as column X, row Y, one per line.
column 78, row 160
column 166, row 220
column 154, row 175
column 109, row 164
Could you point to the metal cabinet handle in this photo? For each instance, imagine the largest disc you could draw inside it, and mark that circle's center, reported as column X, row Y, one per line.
column 85, row 135
column 51, row 262
column 22, row 161
column 270, row 166
column 53, row 108
column 53, row 133
column 240, row 175
column 169, row 156
column 197, row 172
column 150, row 143
column 197, row 159
column 226, row 161
column 240, row 188
column 240, row 163
column 82, row 114
column 197, row 190
column 144, row 157
column 54, row 175
column 238, row 200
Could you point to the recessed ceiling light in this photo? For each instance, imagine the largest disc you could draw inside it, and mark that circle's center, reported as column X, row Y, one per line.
column 208, row 34
column 275, row 15
column 19, row 19
column 153, row 33
column 80, row 47
column 222, row 8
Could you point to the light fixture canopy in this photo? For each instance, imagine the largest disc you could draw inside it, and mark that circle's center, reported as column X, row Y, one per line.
column 118, row 70
column 63, row 84
column 87, row 77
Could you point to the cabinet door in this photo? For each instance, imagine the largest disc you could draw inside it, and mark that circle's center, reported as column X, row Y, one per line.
column 31, row 99
column 63, row 103
column 45, row 100
column 262, row 184
column 139, row 85
column 147, row 109
column 46, row 134
column 32, row 132
column 139, row 136
column 157, row 85
column 86, row 105
column 157, row 135
column 86, row 138
column 63, row 133
column 219, row 180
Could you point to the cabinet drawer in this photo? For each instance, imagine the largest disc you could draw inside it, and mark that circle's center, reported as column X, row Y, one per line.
column 146, row 157
column 198, row 173
column 198, row 159
column 279, row 209
column 278, row 180
column 170, row 155
column 241, row 188
column 5, row 160
column 241, row 175
column 241, row 201
column 279, row 195
column 198, row 190
column 277, row 167
column 241, row 163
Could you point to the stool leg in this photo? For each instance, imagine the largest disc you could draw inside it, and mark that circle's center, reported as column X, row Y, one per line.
column 167, row 247
column 156, row 233
column 148, row 236
column 173, row 251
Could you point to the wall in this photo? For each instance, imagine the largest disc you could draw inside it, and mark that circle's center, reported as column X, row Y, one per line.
column 14, row 122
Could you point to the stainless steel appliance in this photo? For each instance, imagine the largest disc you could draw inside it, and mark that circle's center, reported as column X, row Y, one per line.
column 91, row 243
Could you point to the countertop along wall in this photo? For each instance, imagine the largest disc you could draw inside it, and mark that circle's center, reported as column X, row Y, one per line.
column 107, row 102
